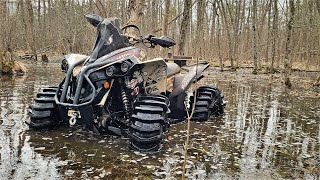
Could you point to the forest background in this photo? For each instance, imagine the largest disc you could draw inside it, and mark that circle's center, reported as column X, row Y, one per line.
column 267, row 35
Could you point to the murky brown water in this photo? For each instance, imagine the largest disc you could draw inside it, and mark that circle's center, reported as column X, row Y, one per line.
column 266, row 133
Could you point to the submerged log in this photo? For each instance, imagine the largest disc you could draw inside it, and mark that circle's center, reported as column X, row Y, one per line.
column 9, row 65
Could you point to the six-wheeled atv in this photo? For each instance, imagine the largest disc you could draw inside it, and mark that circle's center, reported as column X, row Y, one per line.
column 115, row 90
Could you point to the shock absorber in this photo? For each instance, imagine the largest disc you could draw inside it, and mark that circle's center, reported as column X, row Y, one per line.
column 125, row 99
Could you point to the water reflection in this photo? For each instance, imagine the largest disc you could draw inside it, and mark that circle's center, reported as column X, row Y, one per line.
column 18, row 159
column 266, row 133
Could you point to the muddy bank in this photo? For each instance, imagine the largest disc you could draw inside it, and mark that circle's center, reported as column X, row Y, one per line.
column 267, row 132
column 9, row 65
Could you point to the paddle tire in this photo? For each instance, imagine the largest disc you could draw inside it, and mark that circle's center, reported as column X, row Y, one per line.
column 149, row 122
column 44, row 113
column 209, row 102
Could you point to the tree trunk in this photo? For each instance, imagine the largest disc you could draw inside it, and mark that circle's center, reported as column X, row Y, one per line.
column 101, row 8
column 165, row 17
column 174, row 26
column 199, row 31
column 44, row 12
column 309, row 38
column 287, row 57
column 165, row 20
column 236, row 30
column 268, row 33
column 274, row 33
column 213, row 26
column 254, row 22
column 226, row 23
column 39, row 13
column 184, row 26
column 3, row 8
column 29, row 25
column 219, row 44
column 318, row 6
column 154, row 14
column 49, row 15
column 3, row 13
column 135, row 9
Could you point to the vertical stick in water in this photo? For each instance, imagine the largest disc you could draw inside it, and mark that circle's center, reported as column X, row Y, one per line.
column 188, row 126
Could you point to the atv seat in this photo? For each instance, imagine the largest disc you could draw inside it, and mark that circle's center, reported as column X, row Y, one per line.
column 172, row 68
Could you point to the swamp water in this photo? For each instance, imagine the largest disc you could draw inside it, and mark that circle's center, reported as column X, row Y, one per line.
column 267, row 132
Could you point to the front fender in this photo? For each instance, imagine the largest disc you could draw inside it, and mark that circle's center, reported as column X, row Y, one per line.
column 71, row 59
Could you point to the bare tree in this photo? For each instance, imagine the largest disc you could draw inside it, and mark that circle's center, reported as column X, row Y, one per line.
column 288, row 47
column 219, row 44
column 254, row 22
column 213, row 23
column 3, row 13
column 28, row 16
column 199, row 31
column 274, row 33
column 184, row 25
column 228, row 32
column 165, row 17
column 135, row 9
column 318, row 6
column 269, row 4
column 236, row 28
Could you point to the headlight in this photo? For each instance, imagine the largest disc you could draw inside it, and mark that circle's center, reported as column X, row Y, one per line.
column 124, row 67
column 109, row 71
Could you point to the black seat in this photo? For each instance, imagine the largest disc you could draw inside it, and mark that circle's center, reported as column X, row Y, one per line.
column 172, row 68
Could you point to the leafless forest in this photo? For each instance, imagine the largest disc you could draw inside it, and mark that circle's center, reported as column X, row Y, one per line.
column 269, row 51
column 268, row 35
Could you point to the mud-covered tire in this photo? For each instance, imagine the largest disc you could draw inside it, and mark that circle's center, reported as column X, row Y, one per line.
column 217, row 104
column 149, row 121
column 44, row 113
column 209, row 102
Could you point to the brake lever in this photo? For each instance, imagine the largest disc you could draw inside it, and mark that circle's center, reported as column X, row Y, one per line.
column 145, row 41
column 149, row 37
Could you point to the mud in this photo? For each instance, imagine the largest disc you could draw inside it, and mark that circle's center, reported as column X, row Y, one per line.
column 267, row 132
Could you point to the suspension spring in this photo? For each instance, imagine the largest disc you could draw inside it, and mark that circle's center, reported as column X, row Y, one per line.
column 125, row 101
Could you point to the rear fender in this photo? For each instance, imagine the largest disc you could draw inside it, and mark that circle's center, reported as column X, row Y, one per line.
column 182, row 82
